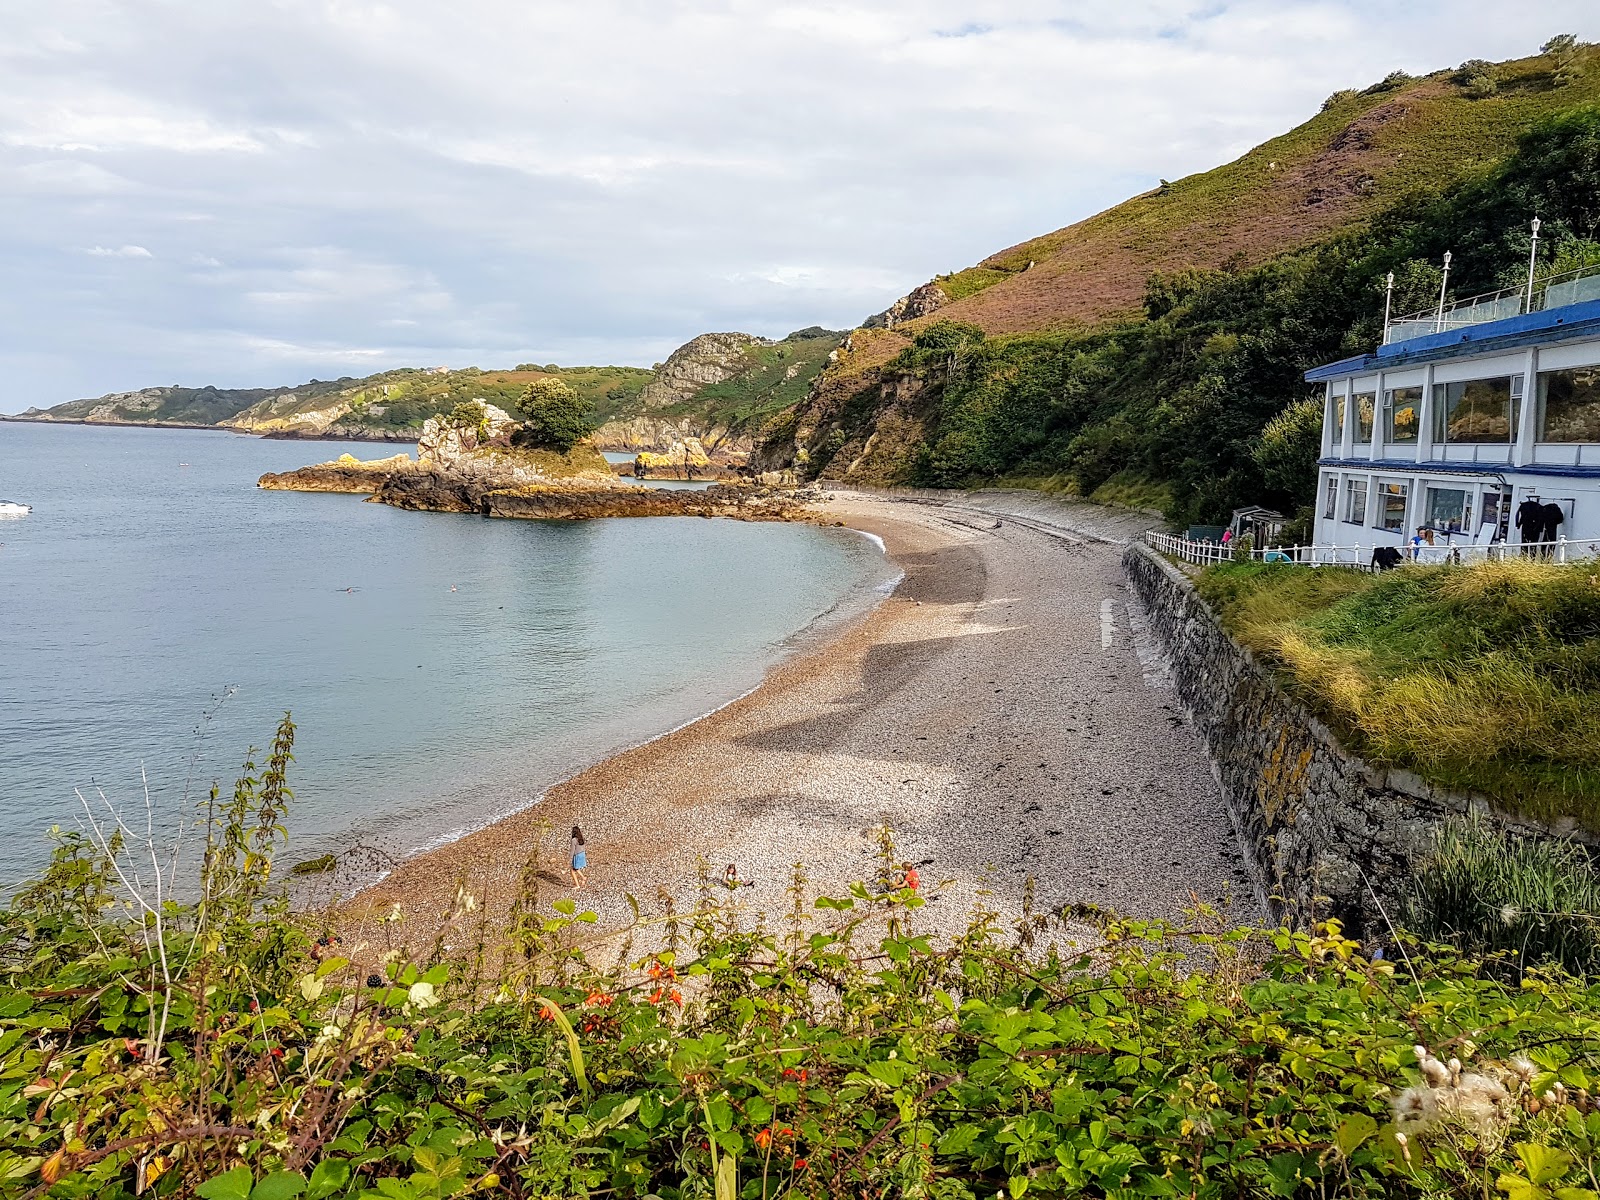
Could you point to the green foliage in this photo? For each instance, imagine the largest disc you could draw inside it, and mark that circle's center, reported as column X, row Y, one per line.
column 470, row 414
column 1476, row 78
column 842, row 1052
column 1562, row 49
column 554, row 416
column 1483, row 678
column 1289, row 448
column 1521, row 900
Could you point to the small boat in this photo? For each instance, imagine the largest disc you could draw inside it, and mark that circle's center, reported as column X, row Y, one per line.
column 10, row 508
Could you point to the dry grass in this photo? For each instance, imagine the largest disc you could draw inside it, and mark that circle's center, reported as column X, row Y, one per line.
column 1483, row 678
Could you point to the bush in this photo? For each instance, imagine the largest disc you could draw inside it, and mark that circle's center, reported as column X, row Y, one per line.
column 554, row 416
column 230, row 1048
column 1476, row 78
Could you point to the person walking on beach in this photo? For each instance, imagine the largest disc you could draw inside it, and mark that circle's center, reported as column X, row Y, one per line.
column 580, row 858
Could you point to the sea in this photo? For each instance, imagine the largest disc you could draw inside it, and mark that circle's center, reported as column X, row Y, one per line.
column 159, row 615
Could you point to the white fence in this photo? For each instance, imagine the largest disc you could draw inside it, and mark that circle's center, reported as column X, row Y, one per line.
column 1359, row 557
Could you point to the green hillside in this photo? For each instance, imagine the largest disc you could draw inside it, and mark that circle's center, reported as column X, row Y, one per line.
column 392, row 404
column 1146, row 350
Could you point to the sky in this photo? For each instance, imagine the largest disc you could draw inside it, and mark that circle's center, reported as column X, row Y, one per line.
column 263, row 192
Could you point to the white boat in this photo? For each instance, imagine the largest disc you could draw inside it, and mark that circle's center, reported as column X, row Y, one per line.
column 10, row 508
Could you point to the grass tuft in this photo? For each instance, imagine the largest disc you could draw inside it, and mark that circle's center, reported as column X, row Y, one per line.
column 1482, row 678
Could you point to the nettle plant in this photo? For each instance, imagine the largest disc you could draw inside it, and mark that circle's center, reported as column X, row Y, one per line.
column 230, row 1048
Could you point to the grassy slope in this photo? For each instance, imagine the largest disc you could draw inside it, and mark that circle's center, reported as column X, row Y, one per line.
column 774, row 378
column 406, row 397
column 1330, row 173
column 1484, row 678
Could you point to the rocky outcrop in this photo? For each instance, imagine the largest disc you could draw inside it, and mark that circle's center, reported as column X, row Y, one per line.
column 682, row 460
column 531, row 484
column 344, row 474
column 922, row 302
column 449, row 441
column 1318, row 820
column 709, row 359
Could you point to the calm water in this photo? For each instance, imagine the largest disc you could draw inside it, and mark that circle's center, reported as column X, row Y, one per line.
column 474, row 662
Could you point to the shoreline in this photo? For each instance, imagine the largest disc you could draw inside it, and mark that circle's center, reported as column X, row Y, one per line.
column 273, row 436
column 894, row 720
column 428, row 877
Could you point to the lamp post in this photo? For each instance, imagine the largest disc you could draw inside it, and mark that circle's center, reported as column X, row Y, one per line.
column 1388, row 303
column 1444, row 282
column 1533, row 253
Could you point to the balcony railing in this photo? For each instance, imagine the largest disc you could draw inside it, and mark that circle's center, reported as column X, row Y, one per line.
column 1554, row 291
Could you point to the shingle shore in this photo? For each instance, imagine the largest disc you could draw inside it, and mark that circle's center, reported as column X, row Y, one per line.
column 993, row 712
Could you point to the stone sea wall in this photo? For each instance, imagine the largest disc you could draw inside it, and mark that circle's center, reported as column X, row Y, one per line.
column 1319, row 820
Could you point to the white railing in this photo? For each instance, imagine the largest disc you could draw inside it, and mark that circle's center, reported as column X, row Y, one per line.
column 1358, row 556
column 1553, row 291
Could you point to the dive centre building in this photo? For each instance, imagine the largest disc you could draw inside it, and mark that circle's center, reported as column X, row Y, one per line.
column 1471, row 425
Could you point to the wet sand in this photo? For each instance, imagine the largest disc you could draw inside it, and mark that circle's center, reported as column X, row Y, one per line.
column 998, row 712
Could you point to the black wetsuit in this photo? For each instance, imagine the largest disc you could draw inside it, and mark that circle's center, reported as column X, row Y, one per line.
column 1530, row 520
column 1553, row 520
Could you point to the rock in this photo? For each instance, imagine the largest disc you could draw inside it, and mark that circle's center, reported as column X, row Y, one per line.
column 686, row 459
column 708, row 359
column 344, row 474
column 448, row 441
column 924, row 301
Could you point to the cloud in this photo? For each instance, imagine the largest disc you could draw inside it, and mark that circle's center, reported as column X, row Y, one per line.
column 119, row 252
column 365, row 183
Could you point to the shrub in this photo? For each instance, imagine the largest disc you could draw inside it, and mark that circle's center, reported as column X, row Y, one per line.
column 838, row 1051
column 554, row 416
column 1476, row 78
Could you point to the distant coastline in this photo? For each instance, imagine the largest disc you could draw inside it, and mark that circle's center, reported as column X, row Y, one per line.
column 277, row 435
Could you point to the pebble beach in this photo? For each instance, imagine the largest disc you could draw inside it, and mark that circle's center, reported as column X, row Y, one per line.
column 999, row 712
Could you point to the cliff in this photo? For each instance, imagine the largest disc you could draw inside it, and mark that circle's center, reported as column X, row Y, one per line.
column 719, row 390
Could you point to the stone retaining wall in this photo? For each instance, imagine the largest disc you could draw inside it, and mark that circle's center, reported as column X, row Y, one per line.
column 1320, row 821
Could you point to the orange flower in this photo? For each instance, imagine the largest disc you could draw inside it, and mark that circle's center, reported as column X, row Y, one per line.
column 655, row 996
column 763, row 1139
column 597, row 999
column 677, row 997
column 547, row 1013
column 655, row 971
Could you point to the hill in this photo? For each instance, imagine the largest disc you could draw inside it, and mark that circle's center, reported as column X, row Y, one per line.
column 391, row 405
column 720, row 387
column 723, row 388
column 1149, row 346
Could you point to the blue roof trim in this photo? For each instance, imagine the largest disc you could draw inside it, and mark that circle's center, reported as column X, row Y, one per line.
column 1407, row 466
column 1543, row 328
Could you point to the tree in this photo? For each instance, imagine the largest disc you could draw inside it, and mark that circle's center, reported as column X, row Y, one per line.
column 554, row 416
column 1561, row 48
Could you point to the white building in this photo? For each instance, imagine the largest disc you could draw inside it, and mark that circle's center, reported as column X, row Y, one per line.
column 1463, row 416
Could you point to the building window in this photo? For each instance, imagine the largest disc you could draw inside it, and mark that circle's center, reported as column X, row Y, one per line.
column 1401, row 406
column 1479, row 410
column 1330, row 500
column 1364, row 402
column 1355, row 501
column 1449, row 510
column 1338, row 418
column 1569, row 405
column 1392, row 507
